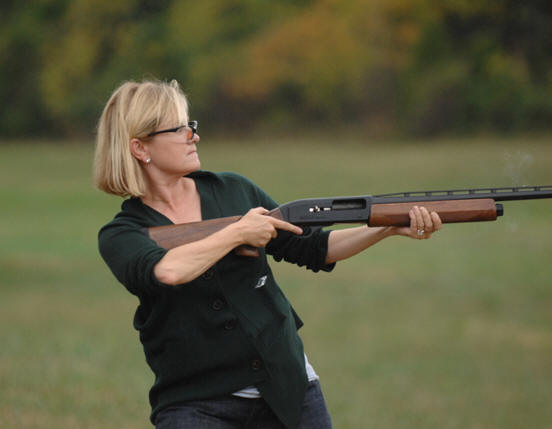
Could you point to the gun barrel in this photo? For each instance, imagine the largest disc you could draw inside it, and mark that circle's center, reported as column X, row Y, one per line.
column 497, row 194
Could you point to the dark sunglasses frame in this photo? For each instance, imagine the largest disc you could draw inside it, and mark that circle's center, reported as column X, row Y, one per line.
column 192, row 125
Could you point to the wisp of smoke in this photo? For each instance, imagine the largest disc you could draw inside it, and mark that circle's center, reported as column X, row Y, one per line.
column 516, row 166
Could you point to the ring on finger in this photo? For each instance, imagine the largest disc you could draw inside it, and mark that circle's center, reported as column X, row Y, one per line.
column 420, row 232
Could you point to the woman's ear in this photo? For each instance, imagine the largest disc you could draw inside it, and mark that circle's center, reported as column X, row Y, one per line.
column 139, row 150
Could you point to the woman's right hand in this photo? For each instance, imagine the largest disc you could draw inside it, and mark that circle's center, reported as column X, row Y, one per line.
column 257, row 229
column 184, row 263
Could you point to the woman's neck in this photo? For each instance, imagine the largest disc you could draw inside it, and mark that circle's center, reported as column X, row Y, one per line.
column 178, row 200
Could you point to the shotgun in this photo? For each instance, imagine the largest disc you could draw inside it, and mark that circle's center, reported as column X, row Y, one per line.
column 460, row 205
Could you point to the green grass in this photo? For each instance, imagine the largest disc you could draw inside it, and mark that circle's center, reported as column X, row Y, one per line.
column 454, row 332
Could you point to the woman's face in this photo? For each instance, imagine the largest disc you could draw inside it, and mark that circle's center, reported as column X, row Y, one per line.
column 174, row 152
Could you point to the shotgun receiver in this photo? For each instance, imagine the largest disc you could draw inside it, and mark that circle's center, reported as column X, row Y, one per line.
column 461, row 205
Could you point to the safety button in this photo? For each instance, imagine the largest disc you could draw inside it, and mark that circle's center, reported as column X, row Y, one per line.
column 217, row 305
column 230, row 324
column 256, row 364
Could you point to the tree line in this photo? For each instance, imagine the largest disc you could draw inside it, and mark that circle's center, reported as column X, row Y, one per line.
column 421, row 67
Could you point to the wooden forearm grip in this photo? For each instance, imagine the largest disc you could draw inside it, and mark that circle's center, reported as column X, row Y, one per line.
column 396, row 214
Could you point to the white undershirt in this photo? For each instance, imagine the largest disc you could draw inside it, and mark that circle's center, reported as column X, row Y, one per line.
column 252, row 392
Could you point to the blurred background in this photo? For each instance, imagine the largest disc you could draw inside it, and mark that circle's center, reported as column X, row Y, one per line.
column 419, row 67
column 308, row 98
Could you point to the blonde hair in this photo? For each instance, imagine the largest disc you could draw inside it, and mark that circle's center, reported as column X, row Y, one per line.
column 134, row 110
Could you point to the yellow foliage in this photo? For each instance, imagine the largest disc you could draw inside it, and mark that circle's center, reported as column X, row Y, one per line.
column 328, row 50
column 70, row 58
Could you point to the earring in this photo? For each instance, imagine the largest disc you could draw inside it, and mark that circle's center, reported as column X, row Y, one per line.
column 148, row 160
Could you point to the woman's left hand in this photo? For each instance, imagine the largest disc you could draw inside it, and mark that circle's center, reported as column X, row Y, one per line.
column 344, row 243
column 422, row 224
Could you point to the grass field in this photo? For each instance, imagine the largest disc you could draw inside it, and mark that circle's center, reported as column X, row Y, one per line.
column 454, row 332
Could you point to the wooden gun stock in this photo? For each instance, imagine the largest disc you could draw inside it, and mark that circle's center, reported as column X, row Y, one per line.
column 450, row 211
column 170, row 236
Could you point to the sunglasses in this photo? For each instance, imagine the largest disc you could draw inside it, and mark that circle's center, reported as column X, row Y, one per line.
column 190, row 130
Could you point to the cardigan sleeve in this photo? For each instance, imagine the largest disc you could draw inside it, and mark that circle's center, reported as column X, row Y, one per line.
column 308, row 250
column 131, row 255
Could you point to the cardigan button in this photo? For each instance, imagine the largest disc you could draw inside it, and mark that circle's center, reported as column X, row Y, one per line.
column 256, row 365
column 230, row 324
column 217, row 304
column 208, row 275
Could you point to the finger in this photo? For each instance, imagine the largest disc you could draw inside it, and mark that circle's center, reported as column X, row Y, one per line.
column 437, row 222
column 258, row 210
column 286, row 226
column 419, row 224
column 271, row 231
column 428, row 223
column 413, row 221
column 419, row 217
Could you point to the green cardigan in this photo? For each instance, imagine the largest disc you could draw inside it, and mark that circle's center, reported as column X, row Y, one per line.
column 231, row 327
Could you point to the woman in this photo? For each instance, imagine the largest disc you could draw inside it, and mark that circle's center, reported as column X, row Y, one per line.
column 216, row 329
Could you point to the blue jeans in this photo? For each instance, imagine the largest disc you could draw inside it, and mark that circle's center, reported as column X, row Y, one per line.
column 232, row 412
